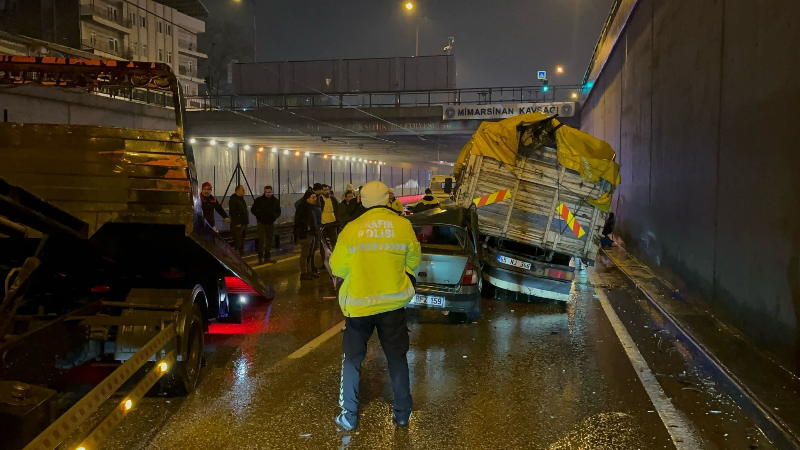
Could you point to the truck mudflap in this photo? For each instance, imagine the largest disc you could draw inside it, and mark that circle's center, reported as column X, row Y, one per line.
column 526, row 282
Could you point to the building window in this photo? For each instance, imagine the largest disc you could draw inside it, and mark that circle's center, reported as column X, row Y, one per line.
column 144, row 50
column 134, row 47
column 169, row 30
column 143, row 22
column 160, row 55
column 169, row 57
column 113, row 45
column 159, row 27
column 190, row 69
column 93, row 37
column 132, row 18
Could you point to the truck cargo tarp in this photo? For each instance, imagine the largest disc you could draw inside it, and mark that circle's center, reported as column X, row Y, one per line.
column 592, row 158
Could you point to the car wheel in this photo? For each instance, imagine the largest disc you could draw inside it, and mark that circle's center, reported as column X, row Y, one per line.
column 182, row 378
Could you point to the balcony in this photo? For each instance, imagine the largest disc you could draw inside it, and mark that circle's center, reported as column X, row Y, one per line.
column 106, row 15
column 183, row 70
column 190, row 48
column 101, row 47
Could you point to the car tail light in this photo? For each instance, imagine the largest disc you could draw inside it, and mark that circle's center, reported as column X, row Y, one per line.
column 470, row 276
column 560, row 274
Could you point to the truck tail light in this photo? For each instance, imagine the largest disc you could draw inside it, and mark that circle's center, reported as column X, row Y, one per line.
column 560, row 274
column 470, row 276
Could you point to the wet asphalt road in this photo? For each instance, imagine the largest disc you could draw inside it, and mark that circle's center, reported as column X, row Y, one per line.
column 526, row 375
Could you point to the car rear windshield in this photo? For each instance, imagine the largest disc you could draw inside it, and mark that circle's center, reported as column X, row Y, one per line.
column 441, row 235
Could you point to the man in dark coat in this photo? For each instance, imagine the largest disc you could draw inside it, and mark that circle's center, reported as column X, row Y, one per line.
column 267, row 209
column 305, row 228
column 240, row 218
column 209, row 204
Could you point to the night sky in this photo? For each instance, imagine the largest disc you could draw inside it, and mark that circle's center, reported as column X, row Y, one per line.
column 497, row 43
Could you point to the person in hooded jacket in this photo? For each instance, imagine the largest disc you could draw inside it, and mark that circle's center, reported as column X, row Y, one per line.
column 209, row 204
column 427, row 202
column 240, row 218
column 305, row 228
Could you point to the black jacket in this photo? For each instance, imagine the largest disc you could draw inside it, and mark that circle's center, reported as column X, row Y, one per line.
column 304, row 220
column 342, row 211
column 209, row 205
column 238, row 210
column 266, row 209
column 358, row 210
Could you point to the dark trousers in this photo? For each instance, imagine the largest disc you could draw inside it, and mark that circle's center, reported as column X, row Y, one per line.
column 393, row 334
column 306, row 250
column 266, row 234
column 238, row 237
column 330, row 234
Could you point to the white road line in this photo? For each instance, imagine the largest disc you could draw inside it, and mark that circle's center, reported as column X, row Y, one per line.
column 304, row 350
column 677, row 426
column 277, row 262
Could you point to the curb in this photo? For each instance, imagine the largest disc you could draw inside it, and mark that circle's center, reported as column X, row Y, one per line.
column 772, row 426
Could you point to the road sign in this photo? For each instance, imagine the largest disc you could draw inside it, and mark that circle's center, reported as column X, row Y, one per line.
column 542, row 74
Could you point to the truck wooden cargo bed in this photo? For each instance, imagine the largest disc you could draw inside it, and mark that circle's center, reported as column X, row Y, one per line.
column 538, row 185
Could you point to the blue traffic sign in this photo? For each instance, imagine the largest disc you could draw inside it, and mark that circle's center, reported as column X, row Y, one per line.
column 542, row 75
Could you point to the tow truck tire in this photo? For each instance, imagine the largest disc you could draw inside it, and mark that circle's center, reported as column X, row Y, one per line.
column 182, row 379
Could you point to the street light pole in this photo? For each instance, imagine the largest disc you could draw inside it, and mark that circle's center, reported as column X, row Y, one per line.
column 416, row 51
column 255, row 33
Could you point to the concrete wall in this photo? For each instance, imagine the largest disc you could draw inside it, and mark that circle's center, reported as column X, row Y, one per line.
column 698, row 99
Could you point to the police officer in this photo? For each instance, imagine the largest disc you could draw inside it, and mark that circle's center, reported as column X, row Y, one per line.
column 379, row 241
column 427, row 202
column 394, row 203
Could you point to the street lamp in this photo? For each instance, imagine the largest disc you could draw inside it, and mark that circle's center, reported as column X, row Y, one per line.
column 559, row 69
column 255, row 30
column 410, row 6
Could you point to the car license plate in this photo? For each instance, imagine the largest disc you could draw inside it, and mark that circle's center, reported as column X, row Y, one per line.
column 514, row 262
column 428, row 300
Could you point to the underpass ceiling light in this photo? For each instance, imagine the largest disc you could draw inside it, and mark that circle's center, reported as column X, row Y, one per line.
column 213, row 142
column 230, row 144
column 347, row 158
column 360, row 159
column 286, row 152
column 297, row 153
column 274, row 150
column 324, row 156
column 261, row 149
column 308, row 154
column 247, row 147
column 192, row 140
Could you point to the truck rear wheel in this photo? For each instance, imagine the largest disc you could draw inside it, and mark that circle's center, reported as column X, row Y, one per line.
column 487, row 289
column 182, row 379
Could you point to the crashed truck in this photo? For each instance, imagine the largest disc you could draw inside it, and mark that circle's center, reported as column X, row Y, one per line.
column 542, row 191
column 111, row 275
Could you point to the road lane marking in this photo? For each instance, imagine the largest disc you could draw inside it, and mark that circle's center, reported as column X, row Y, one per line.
column 677, row 426
column 276, row 262
column 304, row 350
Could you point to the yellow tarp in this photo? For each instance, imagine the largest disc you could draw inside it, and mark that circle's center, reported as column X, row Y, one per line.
column 592, row 158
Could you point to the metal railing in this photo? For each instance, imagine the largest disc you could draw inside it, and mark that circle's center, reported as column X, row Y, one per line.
column 102, row 10
column 471, row 96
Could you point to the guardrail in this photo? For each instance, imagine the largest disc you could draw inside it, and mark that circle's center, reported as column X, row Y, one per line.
column 471, row 96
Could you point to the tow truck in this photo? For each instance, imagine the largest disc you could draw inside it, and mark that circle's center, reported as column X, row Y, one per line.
column 106, row 259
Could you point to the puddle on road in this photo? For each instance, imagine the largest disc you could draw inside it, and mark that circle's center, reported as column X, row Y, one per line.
column 604, row 430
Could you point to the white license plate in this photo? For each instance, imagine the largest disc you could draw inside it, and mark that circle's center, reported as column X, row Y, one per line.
column 514, row 262
column 428, row 300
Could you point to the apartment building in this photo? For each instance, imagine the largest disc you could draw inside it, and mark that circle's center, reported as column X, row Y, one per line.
column 139, row 30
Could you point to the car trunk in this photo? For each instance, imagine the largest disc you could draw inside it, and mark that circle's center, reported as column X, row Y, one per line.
column 441, row 267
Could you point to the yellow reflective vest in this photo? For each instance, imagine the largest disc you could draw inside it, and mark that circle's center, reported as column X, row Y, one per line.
column 396, row 205
column 372, row 254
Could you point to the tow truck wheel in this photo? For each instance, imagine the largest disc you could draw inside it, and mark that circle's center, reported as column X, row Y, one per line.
column 182, row 379
column 487, row 289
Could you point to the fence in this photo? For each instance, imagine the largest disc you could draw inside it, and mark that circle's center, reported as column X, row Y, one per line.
column 291, row 184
